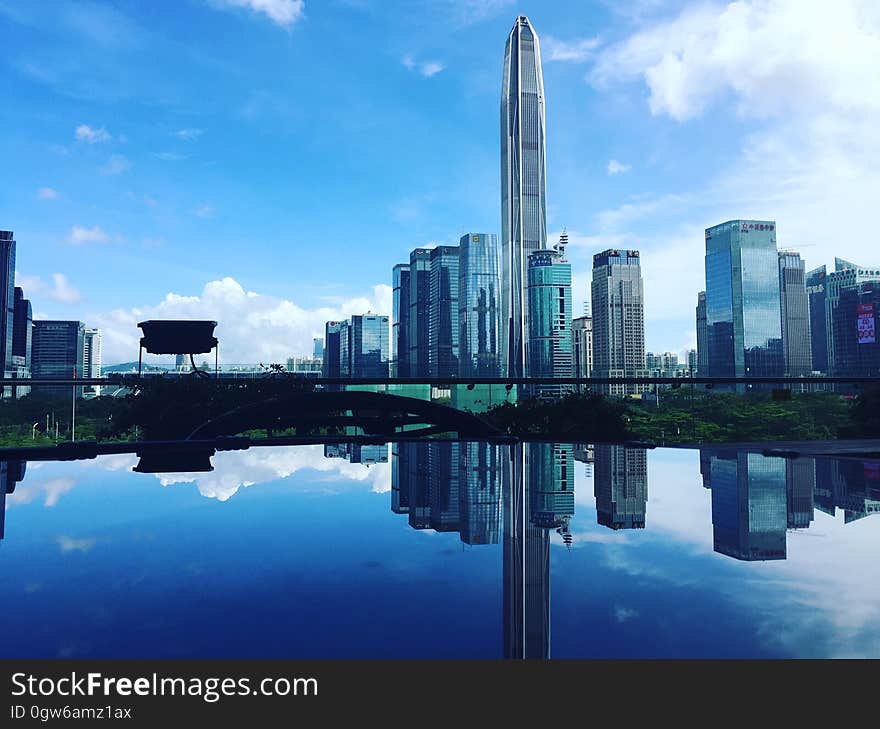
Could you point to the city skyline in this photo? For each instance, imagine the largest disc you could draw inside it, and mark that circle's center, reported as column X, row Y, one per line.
column 616, row 170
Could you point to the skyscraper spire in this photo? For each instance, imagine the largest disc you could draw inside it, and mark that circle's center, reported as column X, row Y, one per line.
column 523, row 185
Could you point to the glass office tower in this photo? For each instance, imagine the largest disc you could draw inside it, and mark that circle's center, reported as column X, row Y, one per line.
column 846, row 275
column 333, row 349
column 815, row 283
column 57, row 353
column 523, row 185
column 443, row 312
column 7, row 303
column 742, row 300
column 618, row 319
column 702, row 335
column 400, row 321
column 368, row 344
column 479, row 306
column 549, row 302
column 419, row 311
column 795, row 315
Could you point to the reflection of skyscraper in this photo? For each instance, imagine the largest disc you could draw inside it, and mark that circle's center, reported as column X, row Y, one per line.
column 620, row 484
column 479, row 484
column 749, row 514
column 399, row 494
column 442, row 475
column 11, row 472
column 523, row 185
column 800, row 482
column 742, row 300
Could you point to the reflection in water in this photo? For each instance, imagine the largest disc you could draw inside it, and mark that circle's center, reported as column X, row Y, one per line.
column 621, row 486
column 11, row 472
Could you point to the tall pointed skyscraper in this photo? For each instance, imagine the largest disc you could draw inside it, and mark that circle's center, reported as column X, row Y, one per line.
column 523, row 186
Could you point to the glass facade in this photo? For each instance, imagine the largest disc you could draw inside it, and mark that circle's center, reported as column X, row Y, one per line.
column 443, row 329
column 7, row 297
column 479, row 483
column 57, row 352
column 702, row 335
column 815, row 283
column 419, row 311
column 618, row 318
column 367, row 346
column 742, row 300
column 549, row 302
column 523, row 185
column 582, row 347
column 795, row 315
column 400, row 321
column 479, row 305
column 846, row 275
column 333, row 349
column 854, row 329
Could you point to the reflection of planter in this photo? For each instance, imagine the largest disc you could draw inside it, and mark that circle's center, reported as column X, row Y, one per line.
column 172, row 461
column 178, row 337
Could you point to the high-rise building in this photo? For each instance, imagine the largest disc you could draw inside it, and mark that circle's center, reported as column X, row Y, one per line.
column 620, row 484
column 523, row 185
column 845, row 275
column 749, row 509
column 443, row 312
column 22, row 339
column 549, row 304
column 7, row 304
column 692, row 361
column 419, row 311
column 618, row 319
column 582, row 347
column 399, row 364
column 815, row 284
column 57, row 353
column 795, row 315
column 318, row 348
column 702, row 336
column 479, row 303
column 854, row 330
column 364, row 352
column 92, row 358
column 742, row 300
column 333, row 348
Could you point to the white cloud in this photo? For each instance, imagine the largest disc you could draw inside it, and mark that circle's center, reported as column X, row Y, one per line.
column 204, row 211
column 577, row 51
column 188, row 135
column 170, row 156
column 47, row 193
column 622, row 614
column 91, row 135
column 426, row 68
column 52, row 491
column 252, row 327
column 281, row 12
column 79, row 235
column 473, row 11
column 617, row 168
column 117, row 164
column 71, row 544
column 59, row 290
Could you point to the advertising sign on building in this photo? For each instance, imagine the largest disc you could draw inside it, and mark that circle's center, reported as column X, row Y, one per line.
column 866, row 327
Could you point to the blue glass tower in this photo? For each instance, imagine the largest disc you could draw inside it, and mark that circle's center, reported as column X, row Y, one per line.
column 815, row 283
column 7, row 302
column 549, row 301
column 479, row 301
column 523, row 185
column 368, row 341
column 419, row 311
column 400, row 321
column 443, row 312
column 620, row 483
column 743, row 315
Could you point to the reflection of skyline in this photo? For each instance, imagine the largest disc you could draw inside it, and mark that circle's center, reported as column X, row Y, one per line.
column 11, row 472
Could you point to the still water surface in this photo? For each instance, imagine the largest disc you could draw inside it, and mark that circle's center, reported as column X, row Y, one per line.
column 444, row 550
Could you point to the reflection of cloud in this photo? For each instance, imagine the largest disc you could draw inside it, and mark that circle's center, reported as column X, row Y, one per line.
column 622, row 614
column 70, row 544
column 26, row 492
column 234, row 469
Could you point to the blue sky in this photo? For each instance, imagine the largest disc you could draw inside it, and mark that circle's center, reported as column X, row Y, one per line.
column 266, row 162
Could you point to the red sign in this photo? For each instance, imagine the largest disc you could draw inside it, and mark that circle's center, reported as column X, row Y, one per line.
column 866, row 327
